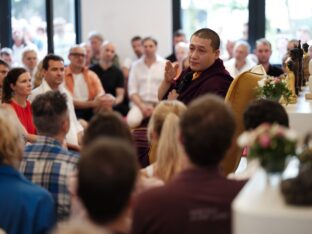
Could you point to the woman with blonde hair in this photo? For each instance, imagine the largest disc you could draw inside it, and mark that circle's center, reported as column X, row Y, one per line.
column 166, row 153
column 21, row 202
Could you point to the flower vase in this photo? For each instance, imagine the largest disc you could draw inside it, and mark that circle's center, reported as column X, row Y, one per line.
column 274, row 98
column 274, row 170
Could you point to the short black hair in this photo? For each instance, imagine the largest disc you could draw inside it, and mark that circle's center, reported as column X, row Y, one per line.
column 48, row 110
column 207, row 129
column 2, row 62
column 149, row 39
column 207, row 33
column 178, row 33
column 136, row 38
column 264, row 111
column 47, row 58
column 107, row 123
column 107, row 173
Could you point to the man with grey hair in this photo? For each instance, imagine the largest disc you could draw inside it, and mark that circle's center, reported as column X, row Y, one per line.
column 240, row 62
column 46, row 162
column 263, row 52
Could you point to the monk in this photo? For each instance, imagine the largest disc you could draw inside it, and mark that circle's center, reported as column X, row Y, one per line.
column 206, row 73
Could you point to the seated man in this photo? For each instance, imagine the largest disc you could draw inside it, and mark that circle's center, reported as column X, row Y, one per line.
column 46, row 162
column 24, row 207
column 263, row 52
column 53, row 70
column 114, row 161
column 199, row 199
column 145, row 77
column 240, row 62
column 83, row 84
column 112, row 79
column 206, row 73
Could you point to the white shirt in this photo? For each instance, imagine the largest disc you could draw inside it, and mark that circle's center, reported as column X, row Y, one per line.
column 81, row 91
column 144, row 80
column 234, row 72
column 75, row 126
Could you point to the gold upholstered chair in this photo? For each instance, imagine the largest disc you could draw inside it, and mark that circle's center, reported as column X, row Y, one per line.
column 239, row 95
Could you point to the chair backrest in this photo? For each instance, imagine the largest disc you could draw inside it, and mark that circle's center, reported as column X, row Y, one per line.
column 240, row 94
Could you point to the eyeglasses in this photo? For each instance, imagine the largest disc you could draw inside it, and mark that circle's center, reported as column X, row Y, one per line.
column 77, row 55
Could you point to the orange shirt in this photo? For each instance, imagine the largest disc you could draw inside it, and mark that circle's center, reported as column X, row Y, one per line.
column 94, row 85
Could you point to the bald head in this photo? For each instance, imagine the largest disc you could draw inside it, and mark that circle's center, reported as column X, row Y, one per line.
column 108, row 52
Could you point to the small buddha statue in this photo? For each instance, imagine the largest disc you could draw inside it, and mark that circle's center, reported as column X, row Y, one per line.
column 305, row 62
column 291, row 80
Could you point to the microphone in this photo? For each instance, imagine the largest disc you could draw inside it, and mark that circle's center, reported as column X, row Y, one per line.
column 184, row 82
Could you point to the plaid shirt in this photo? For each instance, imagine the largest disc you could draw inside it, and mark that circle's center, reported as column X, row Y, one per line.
column 48, row 164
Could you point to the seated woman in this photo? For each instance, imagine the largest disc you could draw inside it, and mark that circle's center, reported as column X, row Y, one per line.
column 16, row 89
column 24, row 207
column 163, row 133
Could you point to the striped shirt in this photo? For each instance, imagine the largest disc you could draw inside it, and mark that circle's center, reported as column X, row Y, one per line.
column 48, row 164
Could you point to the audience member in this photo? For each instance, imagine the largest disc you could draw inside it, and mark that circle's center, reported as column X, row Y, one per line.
column 163, row 129
column 206, row 73
column 108, row 200
column 178, row 36
column 53, row 70
column 19, row 44
column 4, row 69
column 264, row 111
column 112, row 79
column 88, row 53
column 240, row 62
column 16, row 89
column 263, row 52
column 6, row 55
column 95, row 40
column 83, row 84
column 78, row 227
column 106, row 124
column 102, row 124
column 145, row 77
column 24, row 207
column 30, row 61
column 46, row 162
column 137, row 47
column 181, row 51
column 39, row 74
column 199, row 199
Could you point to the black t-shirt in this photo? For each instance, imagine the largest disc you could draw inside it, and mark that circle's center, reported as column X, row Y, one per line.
column 111, row 79
column 274, row 71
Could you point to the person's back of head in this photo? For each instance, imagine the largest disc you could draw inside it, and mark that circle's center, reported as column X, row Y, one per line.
column 163, row 129
column 108, row 124
column 50, row 113
column 264, row 111
column 11, row 143
column 107, row 173
column 207, row 129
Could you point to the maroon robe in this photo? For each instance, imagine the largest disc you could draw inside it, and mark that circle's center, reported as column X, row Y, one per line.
column 214, row 79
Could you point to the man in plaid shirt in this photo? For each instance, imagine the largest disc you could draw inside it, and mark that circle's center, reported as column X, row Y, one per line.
column 47, row 162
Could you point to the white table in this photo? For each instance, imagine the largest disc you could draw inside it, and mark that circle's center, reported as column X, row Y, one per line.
column 300, row 114
column 260, row 209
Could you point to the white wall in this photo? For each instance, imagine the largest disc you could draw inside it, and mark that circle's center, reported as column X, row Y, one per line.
column 120, row 20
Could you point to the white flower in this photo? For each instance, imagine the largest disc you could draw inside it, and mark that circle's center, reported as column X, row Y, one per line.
column 261, row 82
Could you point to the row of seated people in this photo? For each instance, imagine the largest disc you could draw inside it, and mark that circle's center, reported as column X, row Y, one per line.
column 190, row 183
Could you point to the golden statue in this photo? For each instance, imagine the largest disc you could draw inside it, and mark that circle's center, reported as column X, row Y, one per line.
column 290, row 78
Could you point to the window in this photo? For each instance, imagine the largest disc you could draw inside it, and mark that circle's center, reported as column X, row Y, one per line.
column 28, row 27
column 228, row 18
column 292, row 21
column 64, row 27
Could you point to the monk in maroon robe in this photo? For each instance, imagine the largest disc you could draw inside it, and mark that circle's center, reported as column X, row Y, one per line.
column 206, row 73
